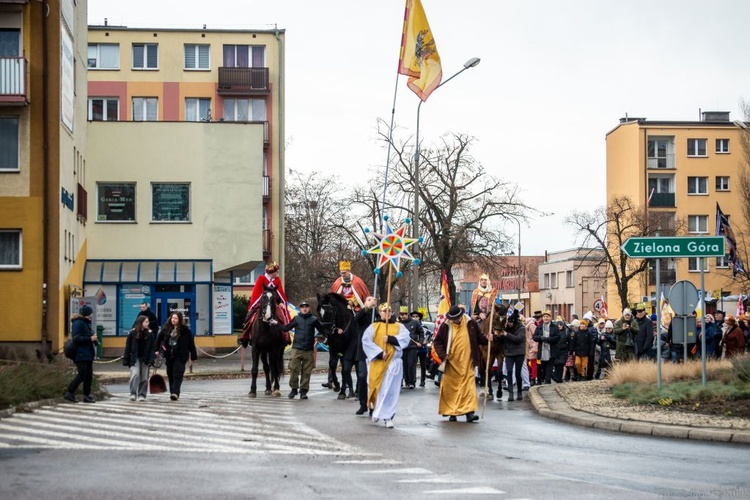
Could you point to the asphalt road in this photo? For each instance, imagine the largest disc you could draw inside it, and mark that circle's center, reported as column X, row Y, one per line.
column 217, row 443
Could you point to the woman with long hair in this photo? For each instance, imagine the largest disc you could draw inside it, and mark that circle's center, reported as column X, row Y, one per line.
column 138, row 356
column 177, row 344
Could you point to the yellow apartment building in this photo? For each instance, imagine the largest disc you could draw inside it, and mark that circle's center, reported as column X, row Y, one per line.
column 683, row 168
column 43, row 199
column 186, row 158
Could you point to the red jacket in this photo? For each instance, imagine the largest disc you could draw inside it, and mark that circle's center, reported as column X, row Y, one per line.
column 261, row 284
column 734, row 341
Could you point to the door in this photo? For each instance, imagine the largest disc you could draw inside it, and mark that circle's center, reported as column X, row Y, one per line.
column 167, row 302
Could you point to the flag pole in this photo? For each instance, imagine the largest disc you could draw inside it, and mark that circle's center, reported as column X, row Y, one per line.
column 388, row 302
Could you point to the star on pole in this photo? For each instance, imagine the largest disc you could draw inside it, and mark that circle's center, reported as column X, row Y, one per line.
column 392, row 246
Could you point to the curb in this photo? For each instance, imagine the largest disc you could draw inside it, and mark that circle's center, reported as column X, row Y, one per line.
column 549, row 404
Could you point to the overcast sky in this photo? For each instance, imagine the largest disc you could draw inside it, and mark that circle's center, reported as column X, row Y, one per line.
column 555, row 77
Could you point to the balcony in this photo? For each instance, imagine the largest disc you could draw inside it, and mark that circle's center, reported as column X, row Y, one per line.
column 13, row 81
column 662, row 200
column 267, row 241
column 266, row 189
column 666, row 161
column 243, row 81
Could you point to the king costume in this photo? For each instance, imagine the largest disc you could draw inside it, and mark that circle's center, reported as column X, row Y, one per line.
column 350, row 286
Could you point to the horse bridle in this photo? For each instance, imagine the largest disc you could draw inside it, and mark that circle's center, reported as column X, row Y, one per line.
column 329, row 326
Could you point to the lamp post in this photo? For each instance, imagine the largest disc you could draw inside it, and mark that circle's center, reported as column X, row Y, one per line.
column 414, row 296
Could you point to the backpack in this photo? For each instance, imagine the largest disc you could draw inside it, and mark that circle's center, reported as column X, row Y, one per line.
column 70, row 349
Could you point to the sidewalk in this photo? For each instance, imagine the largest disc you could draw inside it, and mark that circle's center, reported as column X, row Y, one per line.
column 548, row 403
column 112, row 371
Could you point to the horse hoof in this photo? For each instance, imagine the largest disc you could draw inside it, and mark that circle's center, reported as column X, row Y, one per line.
column 342, row 396
column 276, row 394
column 251, row 394
column 268, row 393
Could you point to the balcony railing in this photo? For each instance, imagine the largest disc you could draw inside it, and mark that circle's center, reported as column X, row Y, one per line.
column 266, row 188
column 243, row 81
column 267, row 241
column 662, row 200
column 662, row 161
column 13, row 80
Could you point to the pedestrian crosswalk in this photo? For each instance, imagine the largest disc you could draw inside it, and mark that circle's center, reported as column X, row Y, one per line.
column 199, row 422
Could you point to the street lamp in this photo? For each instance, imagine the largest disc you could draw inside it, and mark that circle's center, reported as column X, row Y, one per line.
column 415, row 222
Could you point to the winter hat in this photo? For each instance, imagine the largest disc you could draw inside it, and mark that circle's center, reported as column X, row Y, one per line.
column 584, row 323
column 575, row 323
column 627, row 312
column 608, row 324
column 589, row 316
column 86, row 311
column 730, row 320
column 653, row 317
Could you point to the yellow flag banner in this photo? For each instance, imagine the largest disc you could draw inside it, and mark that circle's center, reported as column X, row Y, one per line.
column 419, row 58
column 445, row 298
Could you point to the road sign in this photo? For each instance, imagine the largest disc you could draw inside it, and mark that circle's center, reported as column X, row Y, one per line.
column 674, row 246
column 683, row 297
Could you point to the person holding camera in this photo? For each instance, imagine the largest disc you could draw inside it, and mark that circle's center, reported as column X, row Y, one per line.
column 626, row 328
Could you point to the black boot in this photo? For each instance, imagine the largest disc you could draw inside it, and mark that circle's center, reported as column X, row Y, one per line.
column 303, row 394
column 519, row 396
column 510, row 396
column 293, row 393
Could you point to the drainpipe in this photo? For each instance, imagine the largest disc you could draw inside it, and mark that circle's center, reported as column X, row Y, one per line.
column 280, row 132
column 45, row 180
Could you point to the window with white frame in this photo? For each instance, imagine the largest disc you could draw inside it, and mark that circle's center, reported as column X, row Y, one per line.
column 244, row 56
column 170, row 202
column 145, row 56
column 145, row 109
column 696, row 147
column 569, row 279
column 698, row 224
column 722, row 145
column 104, row 109
column 697, row 185
column 553, row 280
column 722, row 261
column 695, row 263
column 11, row 249
column 9, row 144
column 197, row 56
column 722, row 183
column 197, row 109
column 104, row 56
column 545, row 280
column 244, row 110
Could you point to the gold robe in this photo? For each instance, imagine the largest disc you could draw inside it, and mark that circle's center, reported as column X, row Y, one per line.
column 458, row 393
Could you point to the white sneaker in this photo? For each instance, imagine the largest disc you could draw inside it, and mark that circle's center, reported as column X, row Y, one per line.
column 141, row 398
column 389, row 424
column 132, row 397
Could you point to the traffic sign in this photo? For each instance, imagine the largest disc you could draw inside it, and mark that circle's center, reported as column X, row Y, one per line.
column 674, row 246
column 683, row 297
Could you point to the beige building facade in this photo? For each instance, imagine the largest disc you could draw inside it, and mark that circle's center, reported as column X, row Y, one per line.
column 572, row 282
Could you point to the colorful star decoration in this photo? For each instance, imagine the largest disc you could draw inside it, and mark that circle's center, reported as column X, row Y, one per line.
column 392, row 246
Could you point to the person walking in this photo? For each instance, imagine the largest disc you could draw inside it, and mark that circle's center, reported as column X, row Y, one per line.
column 457, row 343
column 138, row 356
column 383, row 343
column 416, row 336
column 546, row 336
column 85, row 341
column 362, row 320
column 301, row 362
column 422, row 348
column 153, row 322
column 515, row 352
column 176, row 341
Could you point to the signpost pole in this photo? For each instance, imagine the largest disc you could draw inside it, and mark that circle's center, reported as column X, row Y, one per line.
column 703, row 326
column 658, row 325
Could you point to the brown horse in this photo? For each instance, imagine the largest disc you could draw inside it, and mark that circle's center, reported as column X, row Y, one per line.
column 497, row 349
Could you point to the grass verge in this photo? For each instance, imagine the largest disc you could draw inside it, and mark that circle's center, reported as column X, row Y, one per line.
column 27, row 381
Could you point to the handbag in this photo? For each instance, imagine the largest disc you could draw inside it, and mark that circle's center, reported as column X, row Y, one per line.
column 69, row 348
column 629, row 339
column 444, row 363
column 156, row 383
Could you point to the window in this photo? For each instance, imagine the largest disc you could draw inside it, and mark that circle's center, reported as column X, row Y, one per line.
column 722, row 262
column 694, row 264
column 722, row 145
column 545, row 281
column 697, row 223
column 244, row 56
column 10, row 249
column 9, row 155
column 115, row 202
column 10, row 42
column 696, row 147
column 553, row 280
column 661, row 152
column 722, row 183
column 170, row 202
column 197, row 56
column 145, row 56
column 145, row 109
column 569, row 279
column 697, row 185
column 244, row 110
column 104, row 56
column 104, row 109
column 197, row 110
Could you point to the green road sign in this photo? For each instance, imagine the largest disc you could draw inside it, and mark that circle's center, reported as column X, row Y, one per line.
column 677, row 246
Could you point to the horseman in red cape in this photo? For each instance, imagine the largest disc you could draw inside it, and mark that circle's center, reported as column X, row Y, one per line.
column 270, row 280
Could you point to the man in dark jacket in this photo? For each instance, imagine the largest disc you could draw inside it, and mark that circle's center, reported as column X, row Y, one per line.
column 644, row 338
column 416, row 337
column 515, row 353
column 153, row 323
column 547, row 336
column 362, row 320
column 85, row 339
column 301, row 362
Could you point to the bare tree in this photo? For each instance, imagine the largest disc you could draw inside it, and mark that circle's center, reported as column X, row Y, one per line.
column 741, row 227
column 462, row 206
column 606, row 229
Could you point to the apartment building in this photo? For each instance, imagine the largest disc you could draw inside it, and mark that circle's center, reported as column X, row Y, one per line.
column 186, row 169
column 683, row 169
column 43, row 169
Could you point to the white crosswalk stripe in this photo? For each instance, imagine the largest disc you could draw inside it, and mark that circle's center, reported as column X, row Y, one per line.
column 199, row 422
